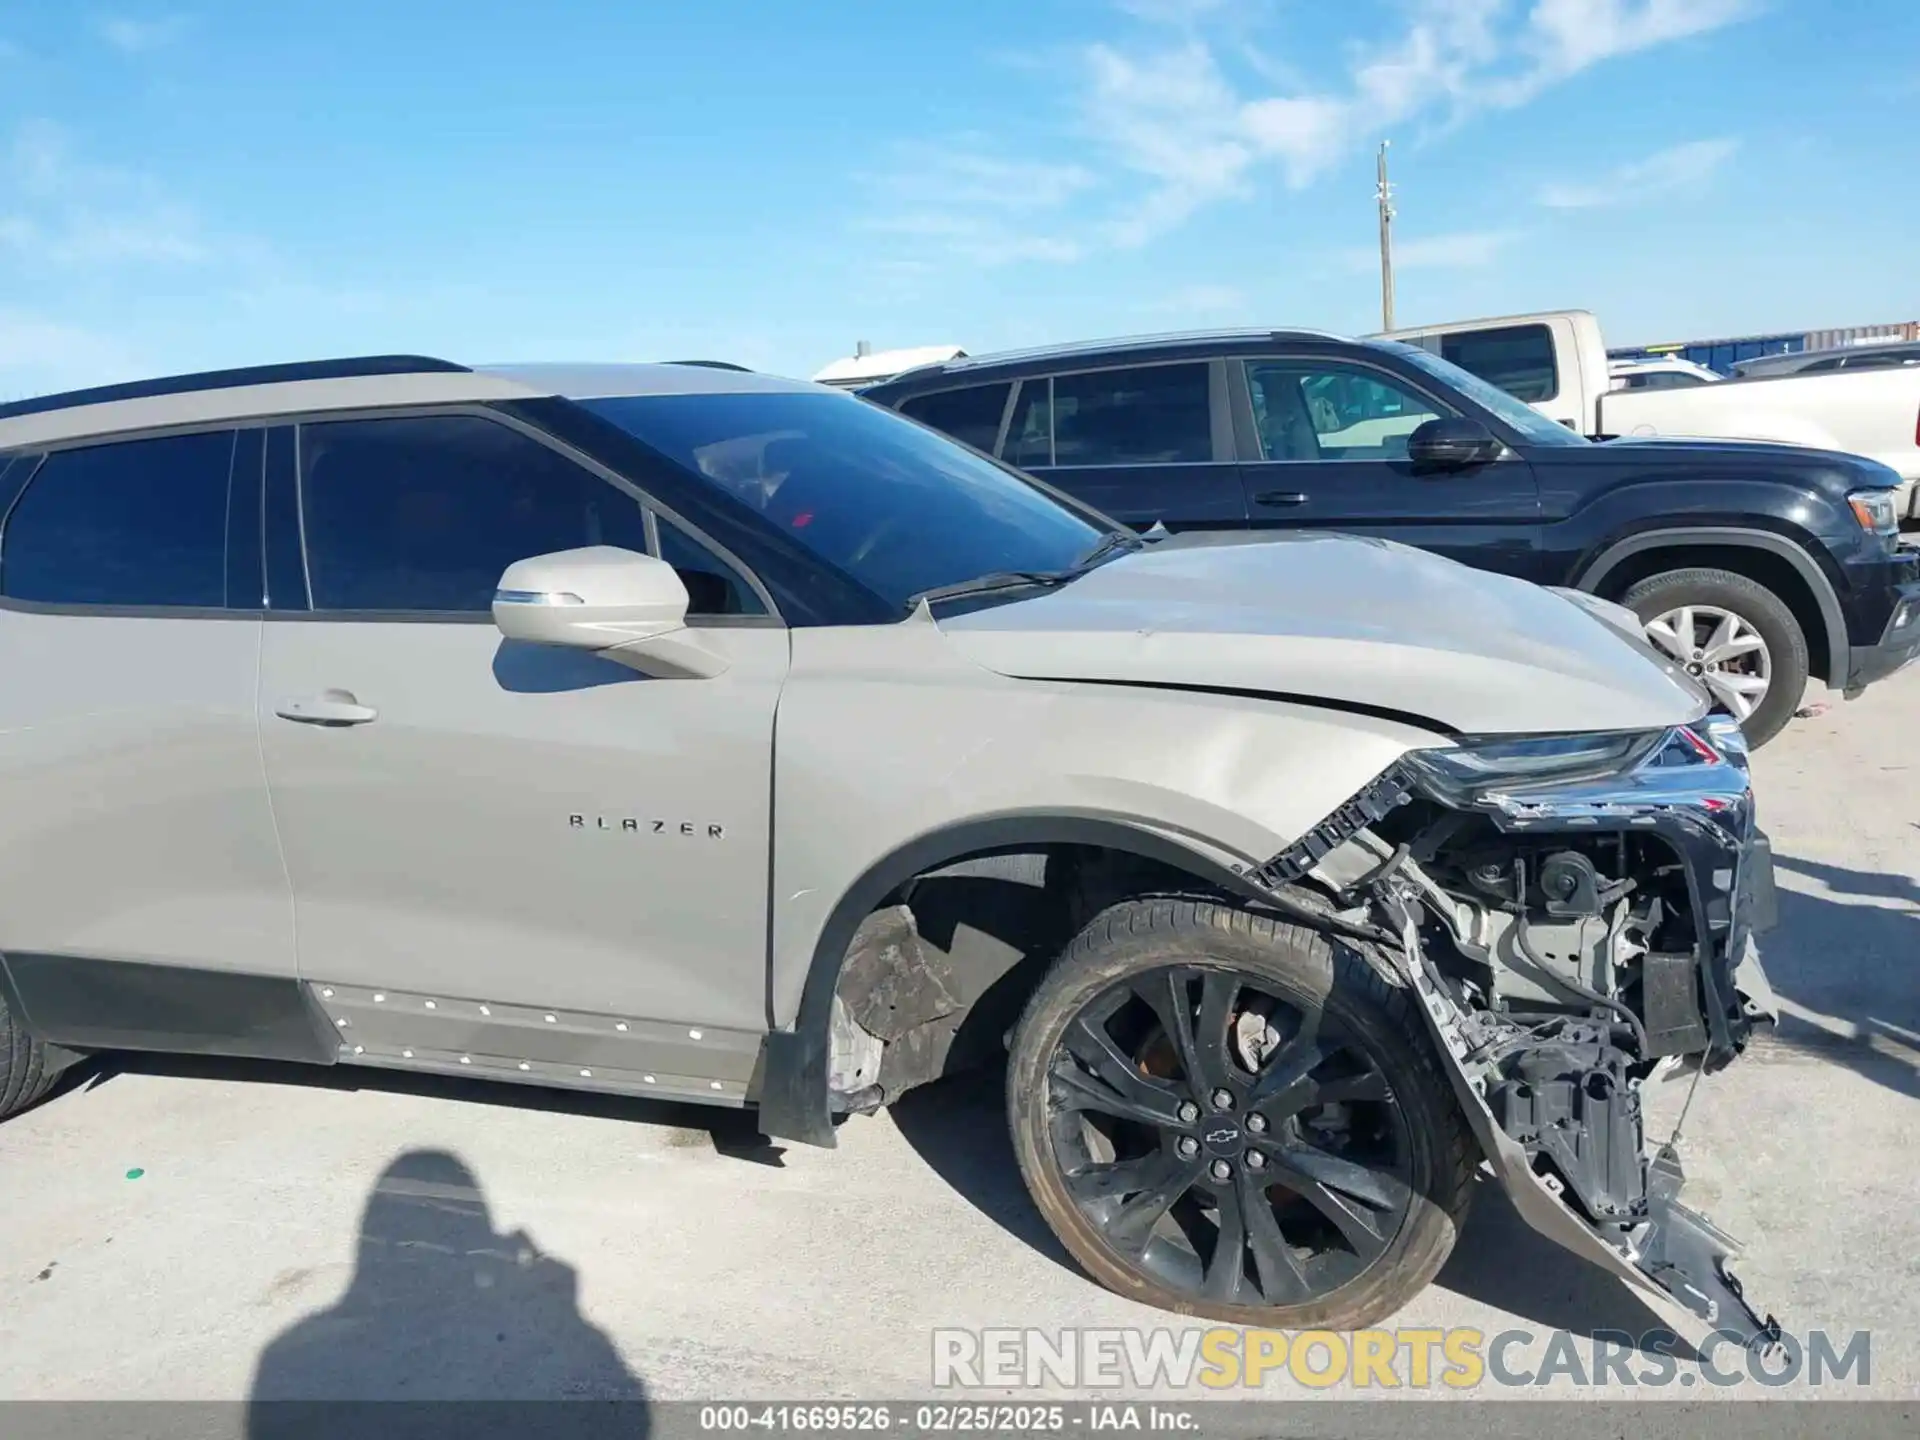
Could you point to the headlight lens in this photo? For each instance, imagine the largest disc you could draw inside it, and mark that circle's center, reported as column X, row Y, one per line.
column 1874, row 510
column 1478, row 764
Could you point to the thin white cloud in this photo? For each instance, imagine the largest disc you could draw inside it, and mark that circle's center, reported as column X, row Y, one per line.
column 134, row 36
column 1202, row 301
column 1172, row 12
column 1171, row 117
column 985, row 241
column 1185, row 111
column 1460, row 250
column 60, row 210
column 1665, row 172
column 962, row 203
column 38, row 355
column 1567, row 36
column 1170, row 112
column 1468, row 250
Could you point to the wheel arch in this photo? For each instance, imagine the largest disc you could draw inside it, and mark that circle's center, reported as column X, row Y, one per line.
column 792, row 1080
column 1812, row 600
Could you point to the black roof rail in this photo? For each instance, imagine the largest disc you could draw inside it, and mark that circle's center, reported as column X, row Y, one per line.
column 230, row 379
column 713, row 365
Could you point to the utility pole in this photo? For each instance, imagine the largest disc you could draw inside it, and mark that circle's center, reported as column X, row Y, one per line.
column 1384, row 194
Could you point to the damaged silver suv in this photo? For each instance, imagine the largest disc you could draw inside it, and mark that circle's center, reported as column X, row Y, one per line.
column 678, row 731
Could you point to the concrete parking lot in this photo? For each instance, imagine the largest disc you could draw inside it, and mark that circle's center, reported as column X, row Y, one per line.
column 201, row 1230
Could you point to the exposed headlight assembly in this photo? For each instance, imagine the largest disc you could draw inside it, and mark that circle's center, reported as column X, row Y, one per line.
column 1584, row 778
column 1461, row 774
column 1527, row 781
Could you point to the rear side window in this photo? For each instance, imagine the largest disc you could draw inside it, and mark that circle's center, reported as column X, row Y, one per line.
column 1148, row 415
column 424, row 513
column 141, row 522
column 1517, row 358
column 1030, row 430
column 971, row 416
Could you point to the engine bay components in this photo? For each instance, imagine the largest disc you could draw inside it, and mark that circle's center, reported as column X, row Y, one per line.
column 1576, row 914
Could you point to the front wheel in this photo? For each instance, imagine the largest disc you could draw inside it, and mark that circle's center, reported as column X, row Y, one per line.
column 1735, row 636
column 1227, row 1116
column 26, row 1072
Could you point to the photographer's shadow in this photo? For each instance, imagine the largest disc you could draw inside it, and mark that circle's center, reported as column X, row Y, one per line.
column 441, row 1307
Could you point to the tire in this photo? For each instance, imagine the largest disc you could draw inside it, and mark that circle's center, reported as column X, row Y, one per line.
column 25, row 1072
column 1100, row 1178
column 1757, row 607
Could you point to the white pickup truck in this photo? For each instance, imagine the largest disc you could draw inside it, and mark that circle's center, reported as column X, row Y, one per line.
column 1557, row 362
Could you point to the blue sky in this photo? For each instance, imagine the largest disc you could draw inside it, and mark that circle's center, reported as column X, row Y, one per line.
column 769, row 181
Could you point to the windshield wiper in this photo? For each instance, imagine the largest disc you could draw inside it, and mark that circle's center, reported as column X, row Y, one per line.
column 995, row 580
column 1111, row 544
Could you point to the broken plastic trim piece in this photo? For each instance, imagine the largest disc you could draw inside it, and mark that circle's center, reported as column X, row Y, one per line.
column 1686, row 1255
column 1384, row 793
column 1677, row 1255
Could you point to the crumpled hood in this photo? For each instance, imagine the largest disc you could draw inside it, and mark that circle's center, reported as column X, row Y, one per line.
column 1337, row 618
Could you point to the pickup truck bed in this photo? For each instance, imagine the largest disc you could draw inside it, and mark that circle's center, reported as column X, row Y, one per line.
column 1875, row 413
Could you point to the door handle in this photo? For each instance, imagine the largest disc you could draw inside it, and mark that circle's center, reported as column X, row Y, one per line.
column 1280, row 497
column 329, row 707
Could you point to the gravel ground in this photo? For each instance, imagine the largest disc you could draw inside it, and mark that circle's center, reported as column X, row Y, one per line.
column 217, row 1231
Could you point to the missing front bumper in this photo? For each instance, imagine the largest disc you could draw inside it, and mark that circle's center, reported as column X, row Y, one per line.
column 1673, row 1252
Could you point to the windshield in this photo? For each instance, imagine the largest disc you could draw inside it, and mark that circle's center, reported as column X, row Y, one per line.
column 894, row 506
column 1534, row 426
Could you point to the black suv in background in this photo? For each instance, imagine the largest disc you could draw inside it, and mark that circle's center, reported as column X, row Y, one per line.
column 1754, row 565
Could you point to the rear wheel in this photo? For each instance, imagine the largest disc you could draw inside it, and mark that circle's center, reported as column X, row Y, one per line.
column 25, row 1070
column 1226, row 1116
column 1735, row 636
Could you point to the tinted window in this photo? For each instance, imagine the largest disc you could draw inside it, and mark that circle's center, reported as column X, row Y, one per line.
column 971, row 415
column 713, row 586
column 1661, row 380
column 894, row 507
column 1517, row 358
column 425, row 513
column 14, row 470
column 1030, row 431
column 1156, row 414
column 1306, row 411
column 1529, row 422
column 143, row 522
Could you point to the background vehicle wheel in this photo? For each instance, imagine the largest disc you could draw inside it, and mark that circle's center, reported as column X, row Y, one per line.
column 25, row 1073
column 1735, row 635
column 1227, row 1116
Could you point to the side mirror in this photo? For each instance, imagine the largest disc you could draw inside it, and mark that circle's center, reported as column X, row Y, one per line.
column 1453, row 442
column 619, row 604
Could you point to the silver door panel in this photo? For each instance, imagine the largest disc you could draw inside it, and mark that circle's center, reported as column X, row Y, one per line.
column 134, row 822
column 527, row 825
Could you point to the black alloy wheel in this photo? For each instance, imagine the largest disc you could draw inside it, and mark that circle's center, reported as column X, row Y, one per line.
column 1249, row 1136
